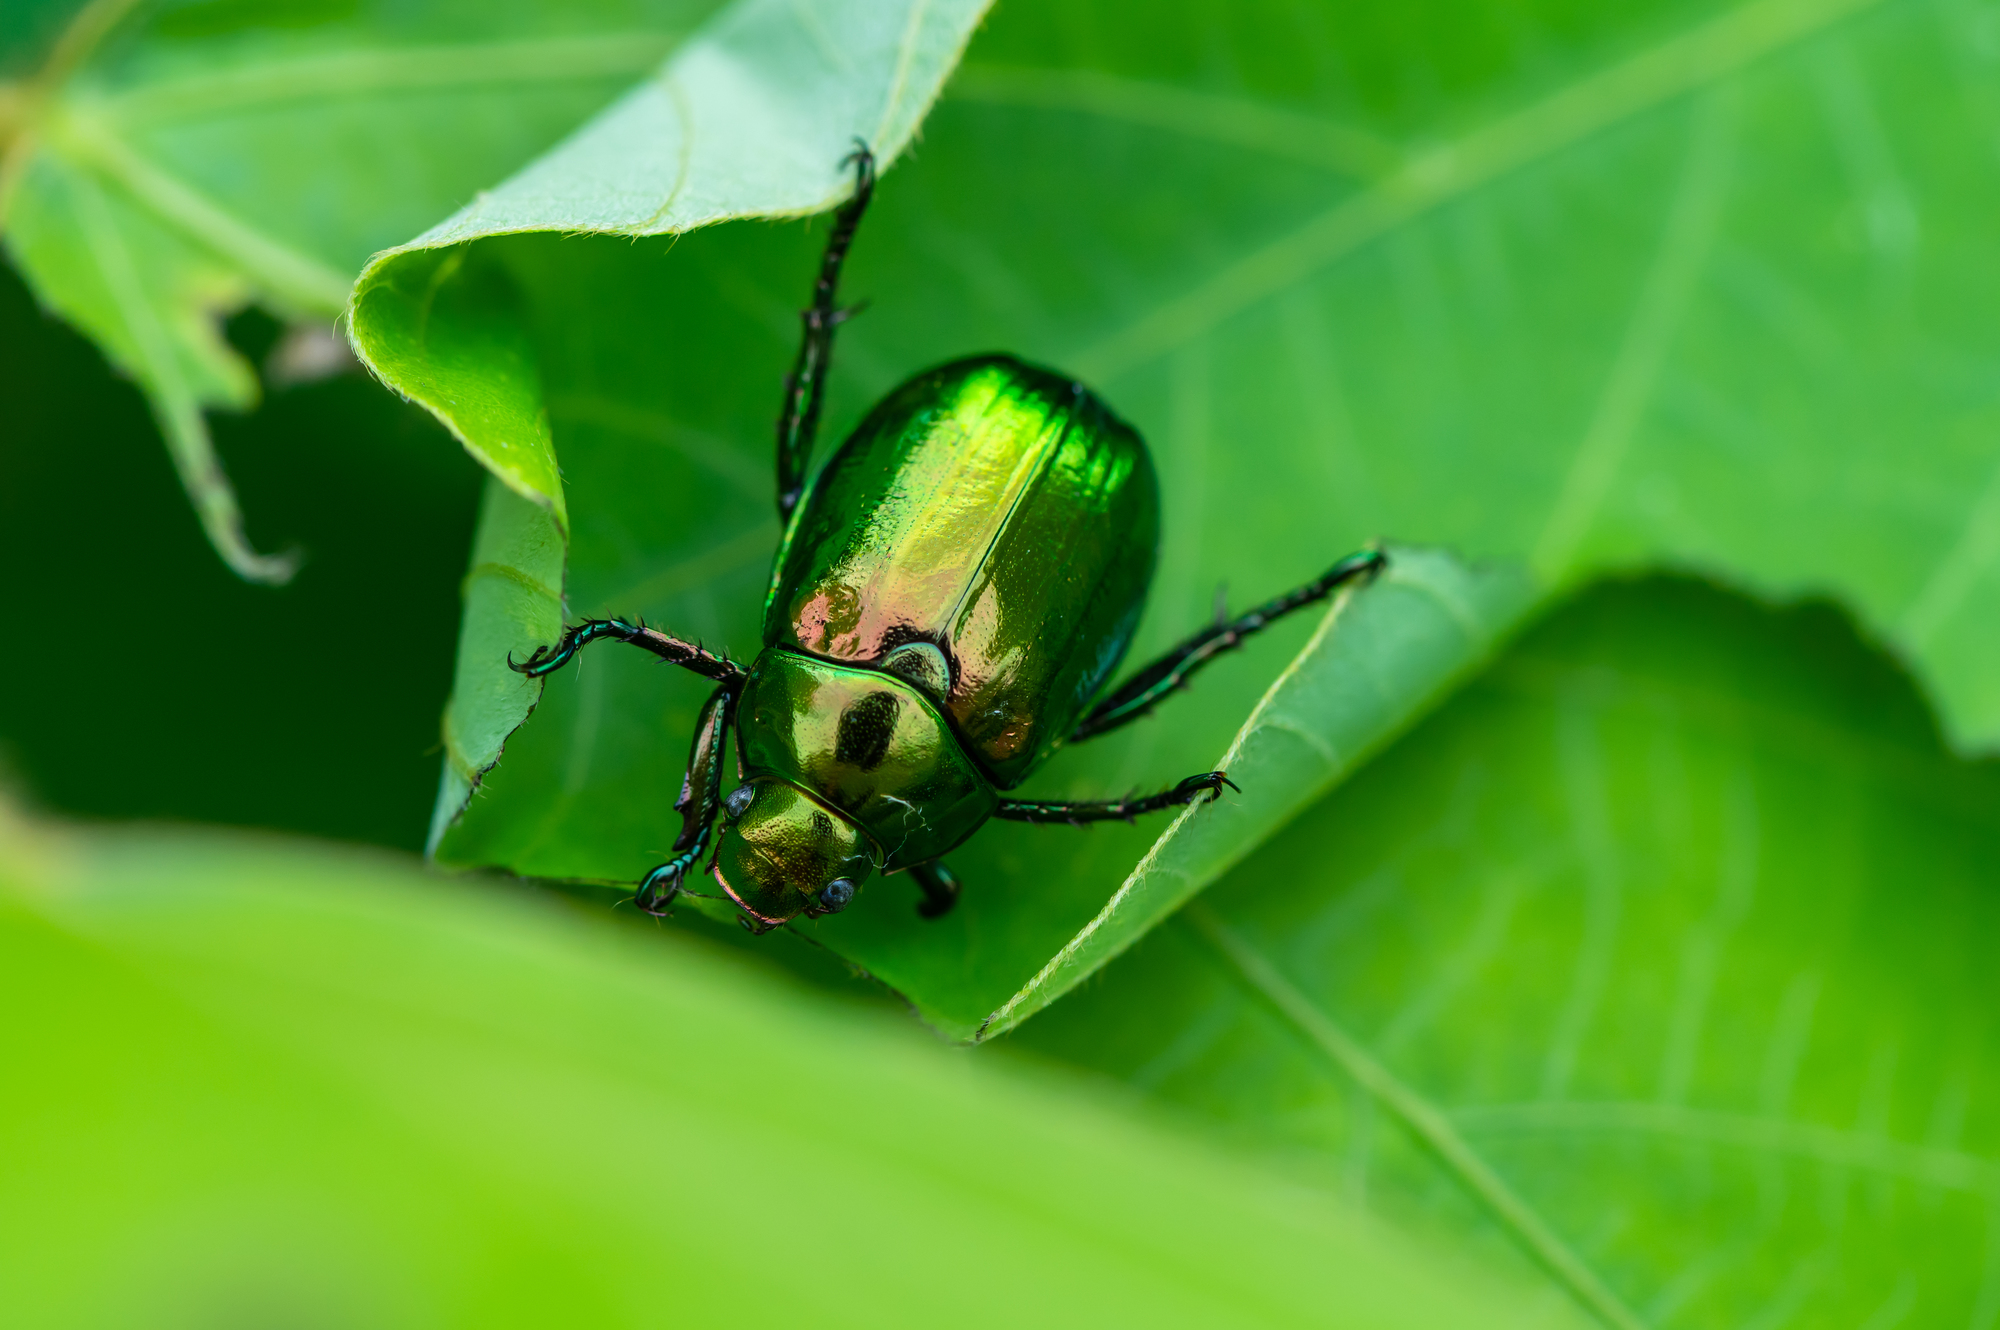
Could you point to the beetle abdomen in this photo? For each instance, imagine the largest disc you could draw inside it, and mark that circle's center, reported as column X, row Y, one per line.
column 999, row 512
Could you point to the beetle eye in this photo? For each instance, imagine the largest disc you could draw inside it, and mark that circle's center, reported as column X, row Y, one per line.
column 835, row 895
column 739, row 799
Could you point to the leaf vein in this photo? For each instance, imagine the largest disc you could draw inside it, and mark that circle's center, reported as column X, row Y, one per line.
column 899, row 82
column 1234, row 121
column 1955, row 575
column 1621, row 405
column 1953, row 1171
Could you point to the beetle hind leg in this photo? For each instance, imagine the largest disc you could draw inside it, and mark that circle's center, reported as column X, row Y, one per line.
column 1205, row 786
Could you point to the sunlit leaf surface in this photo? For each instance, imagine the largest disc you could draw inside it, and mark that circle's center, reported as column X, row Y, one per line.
column 1659, row 958
column 265, row 1084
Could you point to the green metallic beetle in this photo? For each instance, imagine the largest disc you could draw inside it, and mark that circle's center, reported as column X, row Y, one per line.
column 948, row 600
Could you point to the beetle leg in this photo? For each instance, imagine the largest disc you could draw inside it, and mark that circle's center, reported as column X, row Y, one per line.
column 688, row 655
column 1078, row 811
column 1144, row 690
column 700, row 799
column 940, row 887
column 799, row 420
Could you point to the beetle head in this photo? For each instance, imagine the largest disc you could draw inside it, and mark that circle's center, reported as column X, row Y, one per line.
column 782, row 854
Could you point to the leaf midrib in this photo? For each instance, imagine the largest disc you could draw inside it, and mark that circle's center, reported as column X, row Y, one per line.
column 1430, row 1125
column 1054, row 978
column 100, row 129
column 91, row 142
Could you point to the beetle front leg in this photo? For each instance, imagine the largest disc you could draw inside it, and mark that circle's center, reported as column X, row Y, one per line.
column 940, row 887
column 1078, row 811
column 700, row 800
column 675, row 651
column 799, row 421
column 1144, row 690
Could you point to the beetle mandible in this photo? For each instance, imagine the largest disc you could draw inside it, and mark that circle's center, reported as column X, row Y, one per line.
column 949, row 597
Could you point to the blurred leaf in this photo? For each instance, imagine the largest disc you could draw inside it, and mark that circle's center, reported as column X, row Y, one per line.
column 261, row 1083
column 224, row 702
column 28, row 28
column 1565, row 291
column 1662, row 954
column 173, row 162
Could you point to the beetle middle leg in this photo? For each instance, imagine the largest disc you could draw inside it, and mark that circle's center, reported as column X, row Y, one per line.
column 1077, row 811
column 700, row 800
column 675, row 651
column 799, row 421
column 940, row 887
column 1144, row 690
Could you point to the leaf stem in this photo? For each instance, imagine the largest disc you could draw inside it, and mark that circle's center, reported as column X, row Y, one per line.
column 23, row 102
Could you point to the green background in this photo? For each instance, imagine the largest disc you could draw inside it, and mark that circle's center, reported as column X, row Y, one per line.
column 147, row 680
column 1648, row 973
